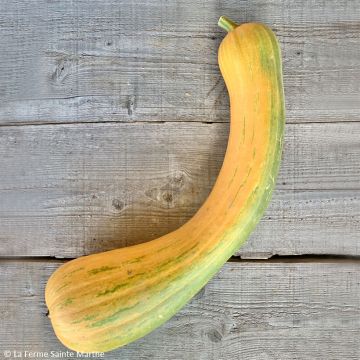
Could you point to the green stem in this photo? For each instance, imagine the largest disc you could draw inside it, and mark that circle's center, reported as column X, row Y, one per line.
column 227, row 24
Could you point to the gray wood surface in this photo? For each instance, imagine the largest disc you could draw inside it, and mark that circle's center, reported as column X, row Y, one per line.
column 65, row 61
column 249, row 311
column 113, row 126
column 73, row 189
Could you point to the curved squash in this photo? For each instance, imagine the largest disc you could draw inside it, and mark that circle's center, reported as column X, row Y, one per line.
column 103, row 301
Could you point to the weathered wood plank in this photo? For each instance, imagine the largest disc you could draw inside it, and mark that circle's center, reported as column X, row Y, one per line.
column 70, row 62
column 307, row 222
column 69, row 190
column 248, row 311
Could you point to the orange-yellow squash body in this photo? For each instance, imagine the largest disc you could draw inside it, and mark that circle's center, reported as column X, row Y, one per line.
column 103, row 301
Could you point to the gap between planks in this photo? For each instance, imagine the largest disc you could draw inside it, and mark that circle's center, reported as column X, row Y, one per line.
column 135, row 122
column 274, row 259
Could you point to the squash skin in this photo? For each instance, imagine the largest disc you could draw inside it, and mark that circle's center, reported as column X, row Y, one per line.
column 103, row 301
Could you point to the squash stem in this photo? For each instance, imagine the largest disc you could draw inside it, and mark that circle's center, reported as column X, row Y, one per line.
column 227, row 24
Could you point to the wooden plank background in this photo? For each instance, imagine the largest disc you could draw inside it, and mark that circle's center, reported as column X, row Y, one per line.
column 70, row 190
column 113, row 126
column 250, row 310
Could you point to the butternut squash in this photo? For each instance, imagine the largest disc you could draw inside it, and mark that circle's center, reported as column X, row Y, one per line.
column 106, row 300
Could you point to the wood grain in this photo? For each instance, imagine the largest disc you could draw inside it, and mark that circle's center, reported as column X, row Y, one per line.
column 307, row 222
column 65, row 61
column 250, row 310
column 70, row 190
column 125, row 89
